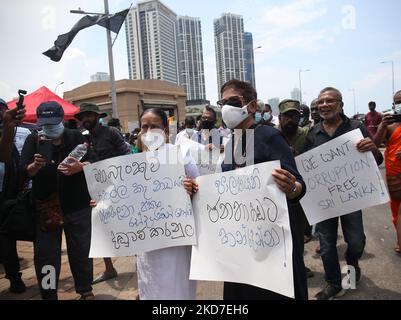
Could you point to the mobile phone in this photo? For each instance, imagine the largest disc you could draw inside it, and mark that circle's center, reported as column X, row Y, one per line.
column 20, row 103
column 397, row 117
column 45, row 149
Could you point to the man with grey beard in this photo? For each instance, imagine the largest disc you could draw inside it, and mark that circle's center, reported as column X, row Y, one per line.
column 334, row 124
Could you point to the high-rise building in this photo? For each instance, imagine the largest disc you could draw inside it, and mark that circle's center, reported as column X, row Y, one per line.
column 249, row 59
column 152, row 42
column 229, row 43
column 296, row 94
column 190, row 58
column 100, row 76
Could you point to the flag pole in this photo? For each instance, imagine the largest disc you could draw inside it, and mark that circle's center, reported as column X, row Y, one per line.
column 111, row 65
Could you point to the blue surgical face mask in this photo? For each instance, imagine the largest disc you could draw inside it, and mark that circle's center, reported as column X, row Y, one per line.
column 267, row 116
column 258, row 116
column 53, row 131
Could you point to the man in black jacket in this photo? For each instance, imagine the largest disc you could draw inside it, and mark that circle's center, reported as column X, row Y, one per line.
column 9, row 187
column 107, row 142
column 69, row 184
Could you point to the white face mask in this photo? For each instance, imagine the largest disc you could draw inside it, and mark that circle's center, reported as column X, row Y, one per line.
column 153, row 139
column 189, row 131
column 233, row 116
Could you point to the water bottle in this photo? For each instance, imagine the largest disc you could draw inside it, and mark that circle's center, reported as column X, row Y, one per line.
column 78, row 153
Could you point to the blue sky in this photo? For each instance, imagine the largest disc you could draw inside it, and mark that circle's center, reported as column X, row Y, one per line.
column 341, row 42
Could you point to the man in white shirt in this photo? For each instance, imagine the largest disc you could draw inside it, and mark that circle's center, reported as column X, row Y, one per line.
column 209, row 135
column 188, row 132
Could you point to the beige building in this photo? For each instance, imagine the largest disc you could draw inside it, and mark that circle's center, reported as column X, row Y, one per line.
column 133, row 97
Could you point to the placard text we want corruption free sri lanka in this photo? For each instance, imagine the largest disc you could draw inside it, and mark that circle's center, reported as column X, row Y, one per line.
column 340, row 179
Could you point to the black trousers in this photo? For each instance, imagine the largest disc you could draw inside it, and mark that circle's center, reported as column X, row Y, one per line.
column 77, row 229
column 9, row 257
column 8, row 252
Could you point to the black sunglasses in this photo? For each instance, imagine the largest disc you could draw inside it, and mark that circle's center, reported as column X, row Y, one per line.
column 232, row 101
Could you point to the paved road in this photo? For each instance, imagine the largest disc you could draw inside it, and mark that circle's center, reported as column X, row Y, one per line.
column 381, row 269
column 381, row 266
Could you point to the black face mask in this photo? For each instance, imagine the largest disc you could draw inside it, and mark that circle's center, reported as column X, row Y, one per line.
column 89, row 125
column 209, row 125
column 290, row 129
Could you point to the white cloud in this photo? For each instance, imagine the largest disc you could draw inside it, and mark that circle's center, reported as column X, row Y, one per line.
column 294, row 15
column 372, row 80
column 49, row 16
column 74, row 53
column 6, row 92
column 287, row 25
column 377, row 81
column 303, row 40
column 396, row 55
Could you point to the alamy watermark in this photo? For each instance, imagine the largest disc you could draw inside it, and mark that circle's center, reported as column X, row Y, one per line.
column 349, row 17
column 49, row 278
column 240, row 153
column 349, row 281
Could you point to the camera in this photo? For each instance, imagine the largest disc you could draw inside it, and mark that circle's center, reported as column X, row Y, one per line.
column 397, row 117
column 20, row 103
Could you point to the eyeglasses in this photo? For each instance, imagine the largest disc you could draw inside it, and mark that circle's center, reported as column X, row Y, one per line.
column 235, row 101
column 327, row 101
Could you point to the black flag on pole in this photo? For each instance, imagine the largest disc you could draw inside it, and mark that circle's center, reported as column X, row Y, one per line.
column 114, row 22
column 110, row 22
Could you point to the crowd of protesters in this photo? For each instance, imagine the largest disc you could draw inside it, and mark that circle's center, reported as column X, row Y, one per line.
column 297, row 129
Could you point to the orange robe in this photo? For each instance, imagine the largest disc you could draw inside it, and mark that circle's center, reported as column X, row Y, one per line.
column 393, row 166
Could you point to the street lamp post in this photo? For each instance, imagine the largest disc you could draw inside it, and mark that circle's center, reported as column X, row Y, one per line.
column 300, row 84
column 392, row 73
column 110, row 54
column 55, row 90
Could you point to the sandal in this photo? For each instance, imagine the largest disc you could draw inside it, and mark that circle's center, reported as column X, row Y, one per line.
column 107, row 275
column 87, row 296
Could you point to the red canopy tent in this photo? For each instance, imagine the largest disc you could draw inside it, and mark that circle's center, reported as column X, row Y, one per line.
column 33, row 100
